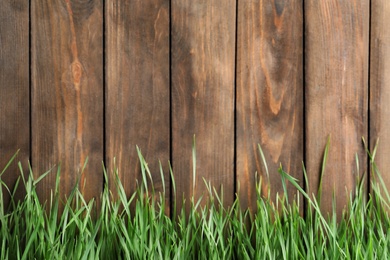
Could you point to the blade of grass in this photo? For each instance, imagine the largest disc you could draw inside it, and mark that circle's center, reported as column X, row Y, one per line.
column 323, row 168
column 264, row 161
column 193, row 166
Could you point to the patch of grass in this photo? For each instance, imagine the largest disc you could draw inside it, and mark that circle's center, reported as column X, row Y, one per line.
column 138, row 228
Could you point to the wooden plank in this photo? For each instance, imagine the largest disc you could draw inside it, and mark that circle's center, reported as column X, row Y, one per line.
column 67, row 93
column 14, row 88
column 203, row 57
column 269, row 96
column 336, row 76
column 380, row 85
column 137, row 108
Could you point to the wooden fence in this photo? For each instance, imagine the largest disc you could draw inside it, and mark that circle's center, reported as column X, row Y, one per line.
column 93, row 78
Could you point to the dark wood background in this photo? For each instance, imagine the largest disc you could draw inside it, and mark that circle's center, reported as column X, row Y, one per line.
column 94, row 78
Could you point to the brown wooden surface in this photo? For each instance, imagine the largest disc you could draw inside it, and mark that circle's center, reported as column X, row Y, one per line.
column 380, row 85
column 203, row 56
column 336, row 80
column 14, row 87
column 137, row 89
column 67, row 93
column 269, row 95
column 67, row 102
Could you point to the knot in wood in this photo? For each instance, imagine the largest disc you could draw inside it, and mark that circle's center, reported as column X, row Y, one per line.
column 77, row 72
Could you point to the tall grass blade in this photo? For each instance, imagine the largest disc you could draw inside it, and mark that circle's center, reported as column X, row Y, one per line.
column 264, row 161
column 193, row 166
column 10, row 161
column 323, row 168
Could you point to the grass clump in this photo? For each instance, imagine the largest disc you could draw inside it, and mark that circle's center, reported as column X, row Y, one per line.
column 138, row 227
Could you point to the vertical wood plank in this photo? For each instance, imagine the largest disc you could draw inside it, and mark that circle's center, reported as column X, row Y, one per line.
column 67, row 93
column 137, row 102
column 203, row 57
column 269, row 95
column 380, row 85
column 14, row 88
column 336, row 77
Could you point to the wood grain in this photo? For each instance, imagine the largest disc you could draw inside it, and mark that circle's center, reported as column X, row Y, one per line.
column 269, row 96
column 67, row 93
column 137, row 88
column 336, row 77
column 14, row 89
column 380, row 85
column 203, row 58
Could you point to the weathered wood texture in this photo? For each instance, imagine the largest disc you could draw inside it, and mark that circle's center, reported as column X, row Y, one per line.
column 171, row 70
column 380, row 85
column 269, row 95
column 14, row 88
column 203, row 57
column 137, row 89
column 336, row 80
column 67, row 93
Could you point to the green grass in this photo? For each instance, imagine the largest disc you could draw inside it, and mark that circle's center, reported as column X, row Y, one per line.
column 138, row 228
